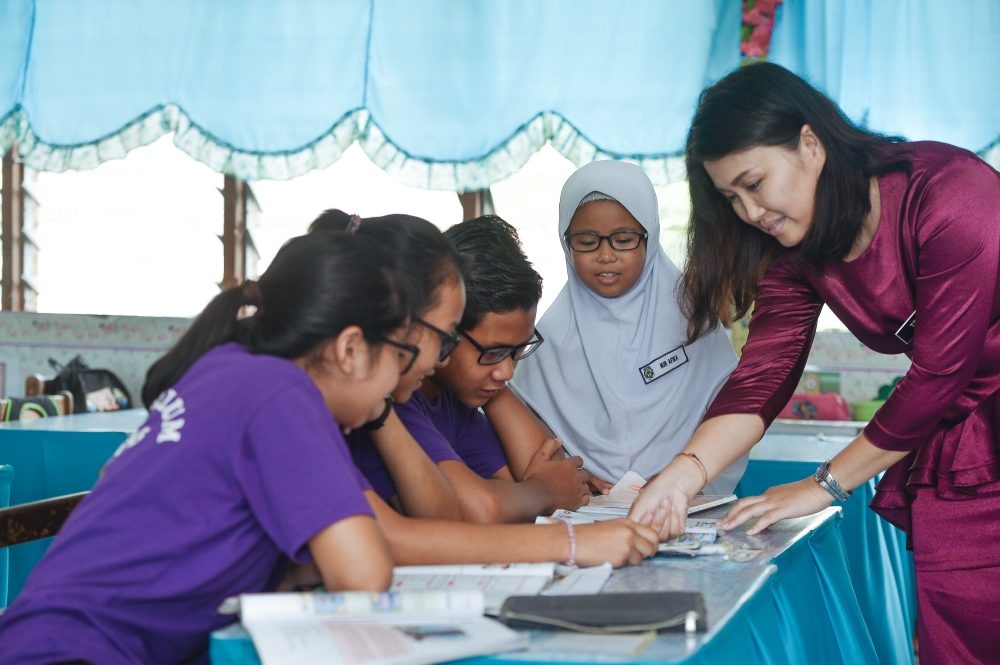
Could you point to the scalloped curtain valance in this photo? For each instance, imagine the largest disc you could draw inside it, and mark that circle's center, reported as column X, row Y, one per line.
column 458, row 94
column 442, row 94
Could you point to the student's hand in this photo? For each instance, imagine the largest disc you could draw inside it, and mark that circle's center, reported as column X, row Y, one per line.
column 596, row 484
column 560, row 477
column 622, row 542
column 780, row 502
column 662, row 504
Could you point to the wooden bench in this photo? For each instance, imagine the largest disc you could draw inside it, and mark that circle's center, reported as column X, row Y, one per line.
column 36, row 520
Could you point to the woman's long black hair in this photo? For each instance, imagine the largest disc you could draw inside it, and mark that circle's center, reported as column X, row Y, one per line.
column 766, row 105
column 316, row 286
column 423, row 253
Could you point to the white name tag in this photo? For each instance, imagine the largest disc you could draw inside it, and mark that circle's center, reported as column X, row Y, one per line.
column 668, row 362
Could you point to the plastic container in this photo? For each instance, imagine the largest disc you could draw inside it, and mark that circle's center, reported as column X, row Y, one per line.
column 865, row 411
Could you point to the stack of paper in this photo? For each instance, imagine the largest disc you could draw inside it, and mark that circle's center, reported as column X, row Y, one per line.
column 372, row 629
column 497, row 583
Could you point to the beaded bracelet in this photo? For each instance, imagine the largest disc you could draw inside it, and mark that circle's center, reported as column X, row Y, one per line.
column 695, row 458
column 571, row 561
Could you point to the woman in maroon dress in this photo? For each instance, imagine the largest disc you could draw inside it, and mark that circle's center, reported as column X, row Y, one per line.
column 794, row 207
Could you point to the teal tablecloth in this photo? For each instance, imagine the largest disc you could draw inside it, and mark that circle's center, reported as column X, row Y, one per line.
column 57, row 456
column 805, row 612
column 881, row 568
column 6, row 476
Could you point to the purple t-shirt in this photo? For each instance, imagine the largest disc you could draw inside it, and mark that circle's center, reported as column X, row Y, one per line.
column 447, row 430
column 239, row 465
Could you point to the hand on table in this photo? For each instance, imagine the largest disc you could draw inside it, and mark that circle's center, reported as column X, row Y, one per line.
column 559, row 475
column 622, row 542
column 780, row 502
column 663, row 502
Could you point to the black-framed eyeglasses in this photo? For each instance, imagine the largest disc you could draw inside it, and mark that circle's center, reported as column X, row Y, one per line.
column 497, row 354
column 449, row 341
column 623, row 241
column 409, row 348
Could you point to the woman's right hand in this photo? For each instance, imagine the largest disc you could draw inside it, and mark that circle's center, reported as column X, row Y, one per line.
column 622, row 542
column 662, row 504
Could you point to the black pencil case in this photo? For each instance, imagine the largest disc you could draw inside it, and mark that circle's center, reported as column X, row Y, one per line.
column 608, row 613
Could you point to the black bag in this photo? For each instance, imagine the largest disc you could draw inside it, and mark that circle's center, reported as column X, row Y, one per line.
column 608, row 613
column 92, row 389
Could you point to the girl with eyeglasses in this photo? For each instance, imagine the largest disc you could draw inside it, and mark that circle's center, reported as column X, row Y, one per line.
column 616, row 379
column 240, row 467
column 436, row 272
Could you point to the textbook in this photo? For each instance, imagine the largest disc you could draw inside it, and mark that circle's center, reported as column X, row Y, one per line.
column 619, row 500
column 496, row 582
column 358, row 628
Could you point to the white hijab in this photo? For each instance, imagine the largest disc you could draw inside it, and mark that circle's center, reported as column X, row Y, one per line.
column 587, row 382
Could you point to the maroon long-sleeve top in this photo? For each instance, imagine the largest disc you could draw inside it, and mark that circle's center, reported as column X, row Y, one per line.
column 936, row 252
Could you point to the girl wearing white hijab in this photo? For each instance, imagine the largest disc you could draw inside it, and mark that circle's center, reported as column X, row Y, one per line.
column 615, row 380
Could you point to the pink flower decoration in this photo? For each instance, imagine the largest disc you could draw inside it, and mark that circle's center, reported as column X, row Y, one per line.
column 767, row 7
column 761, row 17
column 754, row 17
column 760, row 41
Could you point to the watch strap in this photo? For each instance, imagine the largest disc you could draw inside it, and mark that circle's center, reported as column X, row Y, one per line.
column 373, row 425
column 829, row 483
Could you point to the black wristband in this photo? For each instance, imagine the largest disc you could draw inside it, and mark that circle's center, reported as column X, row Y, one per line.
column 373, row 425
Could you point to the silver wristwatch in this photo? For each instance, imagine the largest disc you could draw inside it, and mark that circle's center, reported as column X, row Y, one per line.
column 827, row 482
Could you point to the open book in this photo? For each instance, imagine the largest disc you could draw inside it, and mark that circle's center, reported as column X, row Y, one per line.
column 413, row 628
column 619, row 500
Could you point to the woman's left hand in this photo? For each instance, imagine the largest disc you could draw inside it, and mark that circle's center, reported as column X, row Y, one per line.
column 780, row 502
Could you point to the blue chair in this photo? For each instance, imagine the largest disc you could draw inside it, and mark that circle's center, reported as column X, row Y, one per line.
column 6, row 476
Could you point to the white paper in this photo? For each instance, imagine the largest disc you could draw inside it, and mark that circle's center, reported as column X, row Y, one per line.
column 581, row 582
column 619, row 500
column 497, row 583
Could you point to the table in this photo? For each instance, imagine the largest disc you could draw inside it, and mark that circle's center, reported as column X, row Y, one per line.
column 881, row 568
column 795, row 605
column 56, row 456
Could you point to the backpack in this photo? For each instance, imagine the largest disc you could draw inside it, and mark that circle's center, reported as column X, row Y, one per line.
column 40, row 404
column 92, row 389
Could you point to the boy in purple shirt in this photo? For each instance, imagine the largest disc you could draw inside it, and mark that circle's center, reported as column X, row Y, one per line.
column 444, row 416
column 239, row 468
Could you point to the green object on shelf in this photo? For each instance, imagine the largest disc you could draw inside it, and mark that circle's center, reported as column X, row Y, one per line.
column 829, row 382
column 885, row 391
column 866, row 410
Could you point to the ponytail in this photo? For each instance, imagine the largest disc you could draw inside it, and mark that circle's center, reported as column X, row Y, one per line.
column 316, row 286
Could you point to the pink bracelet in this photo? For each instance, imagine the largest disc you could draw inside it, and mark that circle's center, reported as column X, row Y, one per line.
column 571, row 561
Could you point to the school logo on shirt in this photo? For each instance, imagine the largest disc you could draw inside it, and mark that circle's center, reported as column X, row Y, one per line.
column 170, row 405
column 666, row 363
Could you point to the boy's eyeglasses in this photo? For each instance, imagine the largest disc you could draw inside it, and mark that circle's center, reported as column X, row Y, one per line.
column 497, row 354
column 449, row 341
column 408, row 348
column 623, row 241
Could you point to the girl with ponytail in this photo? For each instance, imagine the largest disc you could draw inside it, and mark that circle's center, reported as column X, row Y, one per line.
column 240, row 468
